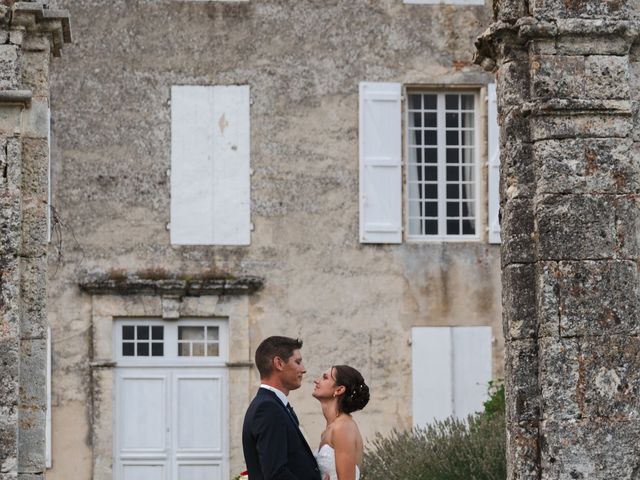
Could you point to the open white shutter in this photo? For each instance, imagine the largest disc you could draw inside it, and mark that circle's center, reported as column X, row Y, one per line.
column 493, row 131
column 380, row 163
column 210, row 165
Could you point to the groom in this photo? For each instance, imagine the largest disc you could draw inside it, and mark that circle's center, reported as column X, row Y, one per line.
column 274, row 447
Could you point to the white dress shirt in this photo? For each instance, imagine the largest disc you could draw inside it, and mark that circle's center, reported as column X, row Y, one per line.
column 283, row 398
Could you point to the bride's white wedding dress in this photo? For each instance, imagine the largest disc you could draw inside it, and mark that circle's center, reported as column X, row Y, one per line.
column 326, row 458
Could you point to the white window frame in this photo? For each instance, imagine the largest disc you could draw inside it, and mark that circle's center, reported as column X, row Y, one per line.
column 442, row 178
column 170, row 356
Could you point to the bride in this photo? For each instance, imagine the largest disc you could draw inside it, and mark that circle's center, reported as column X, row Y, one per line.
column 341, row 390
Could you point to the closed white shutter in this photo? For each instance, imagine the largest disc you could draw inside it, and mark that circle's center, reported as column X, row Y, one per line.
column 451, row 371
column 380, row 163
column 493, row 131
column 210, row 165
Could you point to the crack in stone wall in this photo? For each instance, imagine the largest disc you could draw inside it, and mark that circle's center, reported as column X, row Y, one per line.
column 569, row 197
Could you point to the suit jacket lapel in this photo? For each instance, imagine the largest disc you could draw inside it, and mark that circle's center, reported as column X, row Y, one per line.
column 286, row 410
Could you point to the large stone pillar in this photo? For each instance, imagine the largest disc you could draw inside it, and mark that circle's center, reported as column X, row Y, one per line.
column 571, row 225
column 29, row 33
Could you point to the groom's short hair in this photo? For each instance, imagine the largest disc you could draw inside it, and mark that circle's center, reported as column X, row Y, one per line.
column 272, row 347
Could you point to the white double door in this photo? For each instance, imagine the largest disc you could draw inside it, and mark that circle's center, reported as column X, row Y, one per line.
column 170, row 423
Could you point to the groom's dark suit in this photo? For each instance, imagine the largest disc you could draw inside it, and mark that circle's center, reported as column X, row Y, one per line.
column 273, row 445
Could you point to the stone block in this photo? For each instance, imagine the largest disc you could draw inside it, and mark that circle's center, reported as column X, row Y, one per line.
column 33, row 364
column 513, row 82
column 575, row 227
column 514, row 124
column 14, row 162
column 9, row 67
column 554, row 9
column 518, row 177
column 577, row 76
column 522, row 394
column 598, row 298
column 523, row 451
column 576, row 165
column 33, row 285
column 31, row 414
column 519, row 301
column 9, row 361
column 547, row 299
column 584, row 125
column 628, row 226
column 35, row 73
column 35, row 119
column 34, row 227
column 517, row 231
column 509, row 10
column 603, row 449
column 594, row 377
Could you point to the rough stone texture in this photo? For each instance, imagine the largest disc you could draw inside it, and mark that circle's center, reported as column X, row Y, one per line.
column 571, row 290
column 23, row 238
column 303, row 60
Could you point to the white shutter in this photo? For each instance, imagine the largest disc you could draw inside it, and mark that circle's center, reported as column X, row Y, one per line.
column 210, row 165
column 471, row 368
column 431, row 352
column 380, row 163
column 494, row 165
column 451, row 370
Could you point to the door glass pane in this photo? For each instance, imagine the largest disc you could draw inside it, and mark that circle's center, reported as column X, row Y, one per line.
column 143, row 332
column 157, row 349
column 213, row 350
column 212, row 333
column 143, row 350
column 157, row 333
column 127, row 349
column 197, row 349
column 191, row 333
column 184, row 349
column 128, row 332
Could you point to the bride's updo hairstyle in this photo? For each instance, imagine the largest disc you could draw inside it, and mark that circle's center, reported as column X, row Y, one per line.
column 356, row 395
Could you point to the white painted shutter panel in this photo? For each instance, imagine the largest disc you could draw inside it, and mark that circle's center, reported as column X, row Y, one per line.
column 380, row 163
column 472, row 364
column 494, row 165
column 210, row 165
column 451, row 370
column 432, row 374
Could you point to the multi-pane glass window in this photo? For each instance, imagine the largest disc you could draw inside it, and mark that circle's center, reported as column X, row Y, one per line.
column 198, row 341
column 442, row 167
column 142, row 340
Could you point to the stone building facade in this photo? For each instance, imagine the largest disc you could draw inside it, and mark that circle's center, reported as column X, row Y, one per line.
column 567, row 75
column 162, row 281
column 30, row 34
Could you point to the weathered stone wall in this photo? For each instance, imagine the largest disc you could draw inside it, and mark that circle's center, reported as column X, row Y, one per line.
column 567, row 95
column 28, row 35
column 303, row 59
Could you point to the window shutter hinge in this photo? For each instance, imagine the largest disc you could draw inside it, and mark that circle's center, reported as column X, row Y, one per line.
column 169, row 226
column 252, row 226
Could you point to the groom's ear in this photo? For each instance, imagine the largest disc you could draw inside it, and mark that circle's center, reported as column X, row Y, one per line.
column 278, row 364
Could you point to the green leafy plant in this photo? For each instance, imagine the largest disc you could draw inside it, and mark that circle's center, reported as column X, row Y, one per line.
column 453, row 449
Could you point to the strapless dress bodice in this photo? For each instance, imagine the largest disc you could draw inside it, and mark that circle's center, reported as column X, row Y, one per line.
column 326, row 458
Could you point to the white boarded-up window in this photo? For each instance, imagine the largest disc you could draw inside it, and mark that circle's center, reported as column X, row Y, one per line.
column 494, row 164
column 380, row 163
column 210, row 165
column 451, row 371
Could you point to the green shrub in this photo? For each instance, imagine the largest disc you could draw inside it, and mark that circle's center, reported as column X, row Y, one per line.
column 471, row 449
